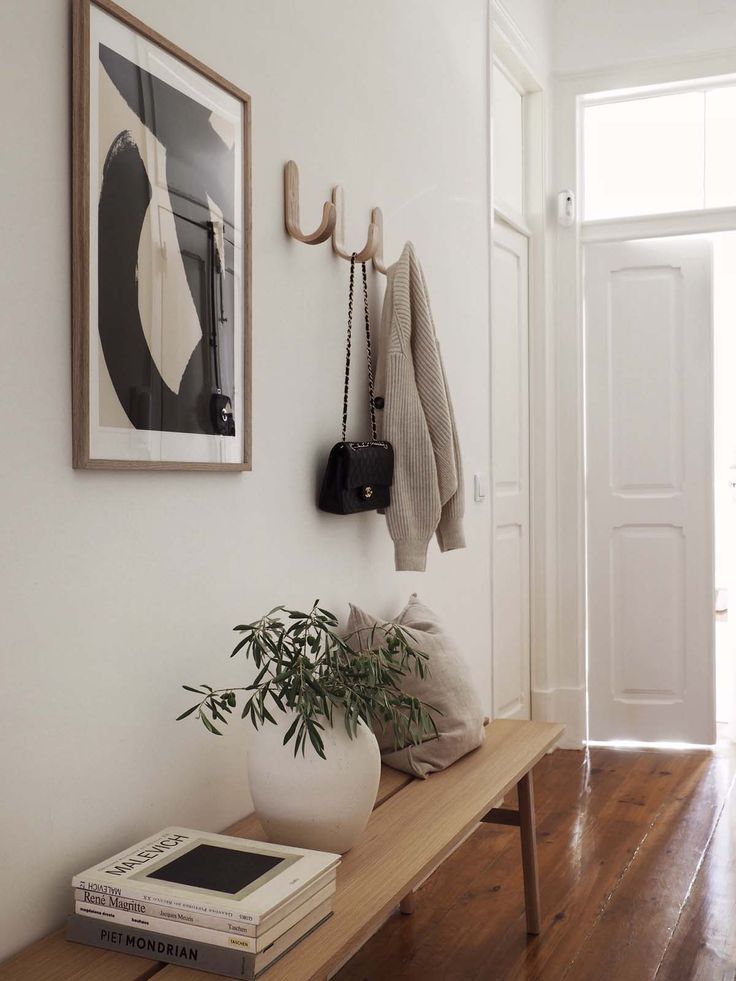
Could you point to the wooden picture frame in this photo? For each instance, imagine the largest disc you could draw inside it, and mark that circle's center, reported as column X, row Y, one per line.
column 136, row 307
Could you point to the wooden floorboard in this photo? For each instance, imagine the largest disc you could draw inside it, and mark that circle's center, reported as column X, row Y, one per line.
column 633, row 930
column 588, row 852
column 637, row 854
column 703, row 943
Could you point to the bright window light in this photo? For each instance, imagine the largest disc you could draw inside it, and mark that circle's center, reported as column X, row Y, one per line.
column 661, row 154
column 644, row 156
column 637, row 744
column 720, row 148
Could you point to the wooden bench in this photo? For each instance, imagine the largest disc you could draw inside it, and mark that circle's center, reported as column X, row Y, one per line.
column 414, row 827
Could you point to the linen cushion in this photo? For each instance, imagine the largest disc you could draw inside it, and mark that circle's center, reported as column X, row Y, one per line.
column 448, row 687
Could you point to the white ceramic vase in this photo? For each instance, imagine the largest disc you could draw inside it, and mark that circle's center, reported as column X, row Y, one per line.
column 306, row 801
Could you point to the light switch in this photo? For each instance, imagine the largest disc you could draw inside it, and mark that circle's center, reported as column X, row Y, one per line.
column 480, row 483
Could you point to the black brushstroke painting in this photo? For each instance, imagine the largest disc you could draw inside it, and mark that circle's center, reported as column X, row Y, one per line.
column 199, row 165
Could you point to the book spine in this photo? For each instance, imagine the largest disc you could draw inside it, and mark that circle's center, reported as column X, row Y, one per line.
column 294, row 911
column 146, row 896
column 132, row 905
column 133, row 890
column 171, row 928
column 159, row 946
column 269, row 920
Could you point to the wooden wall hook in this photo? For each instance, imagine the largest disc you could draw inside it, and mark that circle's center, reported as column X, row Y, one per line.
column 332, row 224
column 378, row 264
column 338, row 235
column 291, row 210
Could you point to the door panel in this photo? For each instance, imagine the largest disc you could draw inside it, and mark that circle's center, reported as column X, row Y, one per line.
column 510, row 434
column 648, row 625
column 645, row 350
column 649, row 476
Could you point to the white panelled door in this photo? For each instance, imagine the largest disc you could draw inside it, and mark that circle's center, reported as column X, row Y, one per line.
column 510, row 462
column 649, row 440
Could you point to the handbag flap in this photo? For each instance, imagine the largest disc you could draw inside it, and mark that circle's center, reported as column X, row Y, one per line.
column 367, row 464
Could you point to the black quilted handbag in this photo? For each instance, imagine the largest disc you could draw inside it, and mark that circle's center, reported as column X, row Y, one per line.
column 358, row 476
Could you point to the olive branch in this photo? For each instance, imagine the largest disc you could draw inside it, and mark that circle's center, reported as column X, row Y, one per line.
column 304, row 666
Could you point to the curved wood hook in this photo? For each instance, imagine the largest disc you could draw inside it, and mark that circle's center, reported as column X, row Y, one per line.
column 291, row 210
column 338, row 235
column 378, row 264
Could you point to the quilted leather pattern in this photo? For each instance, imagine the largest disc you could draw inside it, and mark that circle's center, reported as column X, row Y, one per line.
column 368, row 463
column 357, row 478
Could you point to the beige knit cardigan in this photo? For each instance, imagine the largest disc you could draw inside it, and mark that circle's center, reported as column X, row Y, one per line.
column 427, row 495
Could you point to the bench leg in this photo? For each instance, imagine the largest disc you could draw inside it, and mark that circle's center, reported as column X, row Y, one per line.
column 408, row 904
column 529, row 854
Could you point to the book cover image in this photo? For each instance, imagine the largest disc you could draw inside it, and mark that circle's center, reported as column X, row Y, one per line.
column 233, row 872
column 220, row 869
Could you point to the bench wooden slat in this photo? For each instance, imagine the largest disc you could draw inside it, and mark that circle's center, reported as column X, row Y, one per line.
column 55, row 959
column 391, row 783
column 407, row 836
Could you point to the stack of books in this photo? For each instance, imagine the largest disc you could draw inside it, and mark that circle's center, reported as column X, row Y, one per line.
column 206, row 901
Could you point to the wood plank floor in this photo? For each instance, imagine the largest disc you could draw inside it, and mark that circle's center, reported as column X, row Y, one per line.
column 637, row 857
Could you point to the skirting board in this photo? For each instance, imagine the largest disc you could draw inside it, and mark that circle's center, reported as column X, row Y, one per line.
column 566, row 705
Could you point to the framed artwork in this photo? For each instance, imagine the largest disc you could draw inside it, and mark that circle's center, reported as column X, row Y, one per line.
column 161, row 253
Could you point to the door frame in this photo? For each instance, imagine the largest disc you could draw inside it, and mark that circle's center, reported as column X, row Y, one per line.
column 572, row 93
column 508, row 47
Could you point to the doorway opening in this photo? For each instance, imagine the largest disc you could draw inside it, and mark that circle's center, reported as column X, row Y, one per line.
column 658, row 168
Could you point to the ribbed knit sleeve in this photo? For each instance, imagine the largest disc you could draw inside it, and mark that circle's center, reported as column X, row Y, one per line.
column 450, row 533
column 430, row 380
column 417, row 419
column 415, row 501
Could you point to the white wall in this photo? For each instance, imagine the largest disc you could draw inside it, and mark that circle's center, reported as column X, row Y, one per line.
column 590, row 35
column 118, row 587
